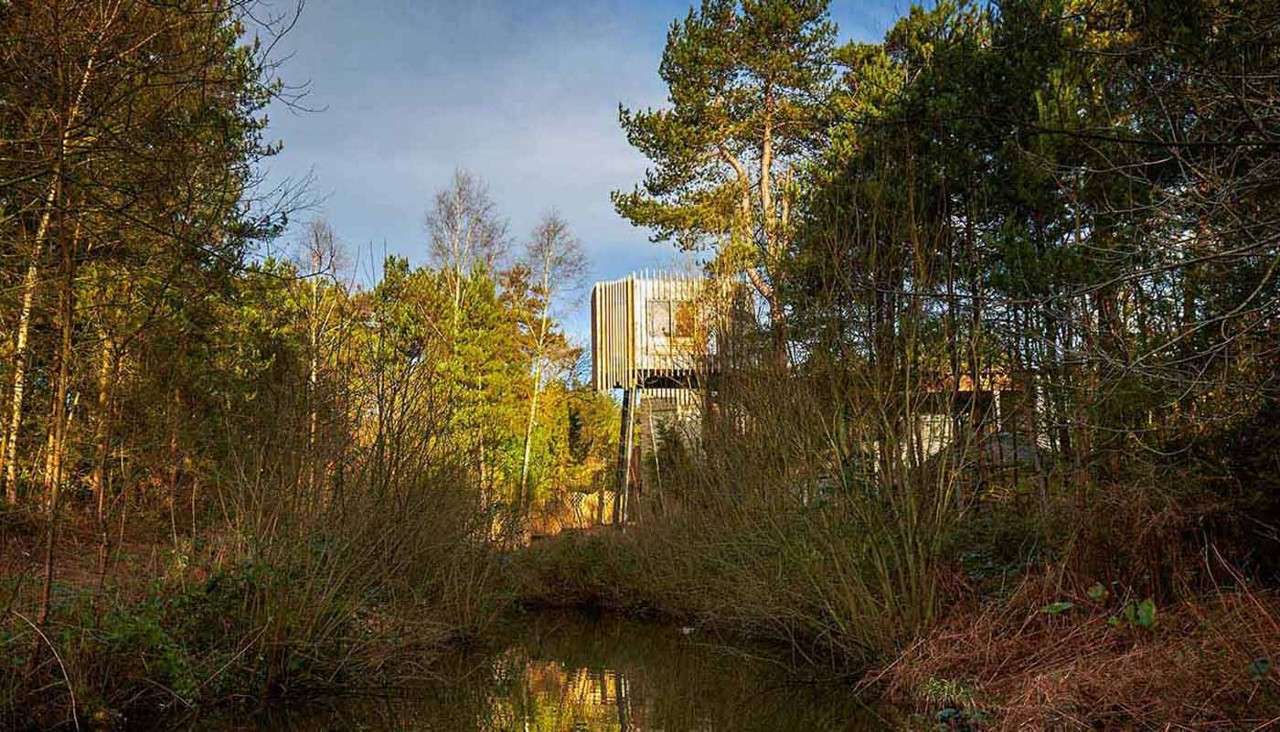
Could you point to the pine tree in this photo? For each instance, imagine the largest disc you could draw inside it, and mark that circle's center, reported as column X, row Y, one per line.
column 748, row 86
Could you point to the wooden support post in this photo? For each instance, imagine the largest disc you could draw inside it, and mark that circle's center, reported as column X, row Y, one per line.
column 630, row 401
column 627, row 513
column 657, row 462
column 623, row 451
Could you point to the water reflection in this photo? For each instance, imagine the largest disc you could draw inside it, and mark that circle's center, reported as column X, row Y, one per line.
column 573, row 674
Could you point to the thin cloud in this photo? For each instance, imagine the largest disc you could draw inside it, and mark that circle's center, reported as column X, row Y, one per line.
column 523, row 94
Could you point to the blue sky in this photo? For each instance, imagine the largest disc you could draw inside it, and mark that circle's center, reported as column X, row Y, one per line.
column 523, row 94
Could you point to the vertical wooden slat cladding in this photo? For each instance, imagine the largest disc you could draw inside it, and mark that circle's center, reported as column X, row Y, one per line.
column 624, row 352
column 612, row 348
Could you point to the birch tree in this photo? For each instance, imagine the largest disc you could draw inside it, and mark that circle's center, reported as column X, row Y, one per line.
column 60, row 84
column 464, row 229
column 555, row 259
column 321, row 255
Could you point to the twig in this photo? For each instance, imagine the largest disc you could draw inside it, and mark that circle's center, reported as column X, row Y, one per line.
column 233, row 658
column 1267, row 724
column 65, row 677
column 868, row 681
column 171, row 692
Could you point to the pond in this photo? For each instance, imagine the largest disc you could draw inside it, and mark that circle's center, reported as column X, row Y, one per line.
column 575, row 673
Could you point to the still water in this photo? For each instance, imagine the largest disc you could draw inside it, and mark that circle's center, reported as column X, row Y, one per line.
column 570, row 673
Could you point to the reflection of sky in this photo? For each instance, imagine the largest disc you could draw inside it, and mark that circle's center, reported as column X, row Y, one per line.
column 525, row 94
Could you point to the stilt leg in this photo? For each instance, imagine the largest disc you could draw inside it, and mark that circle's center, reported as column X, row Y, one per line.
column 627, row 513
column 624, row 458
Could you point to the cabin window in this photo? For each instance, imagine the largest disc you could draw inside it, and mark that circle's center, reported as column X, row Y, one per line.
column 659, row 317
column 669, row 318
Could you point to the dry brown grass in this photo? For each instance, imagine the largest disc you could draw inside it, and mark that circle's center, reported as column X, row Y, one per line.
column 1206, row 664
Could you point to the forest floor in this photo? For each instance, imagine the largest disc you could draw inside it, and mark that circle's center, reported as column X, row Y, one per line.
column 147, row 553
column 1030, row 661
column 75, row 559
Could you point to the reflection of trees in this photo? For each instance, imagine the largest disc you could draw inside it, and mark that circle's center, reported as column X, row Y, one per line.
column 572, row 675
column 649, row 677
column 618, row 675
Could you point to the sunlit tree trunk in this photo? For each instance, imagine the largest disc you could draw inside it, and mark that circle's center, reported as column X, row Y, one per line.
column 313, row 385
column 556, row 256
column 774, row 235
column 107, row 367
column 30, row 284
column 60, row 415
column 174, row 458
column 523, row 499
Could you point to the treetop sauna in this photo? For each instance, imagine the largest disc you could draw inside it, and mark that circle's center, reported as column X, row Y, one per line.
column 644, row 332
column 661, row 334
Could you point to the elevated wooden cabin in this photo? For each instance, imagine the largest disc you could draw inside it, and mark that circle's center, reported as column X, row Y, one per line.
column 646, row 332
column 660, row 336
